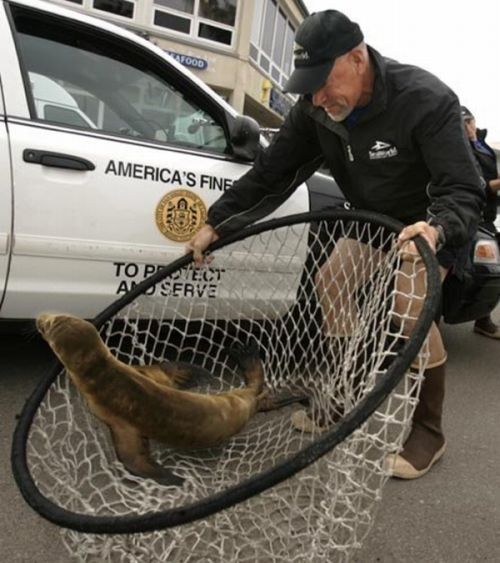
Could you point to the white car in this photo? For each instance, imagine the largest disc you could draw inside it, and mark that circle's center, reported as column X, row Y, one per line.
column 102, row 133
column 54, row 103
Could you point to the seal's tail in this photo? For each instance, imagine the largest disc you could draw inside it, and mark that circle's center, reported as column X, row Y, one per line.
column 249, row 362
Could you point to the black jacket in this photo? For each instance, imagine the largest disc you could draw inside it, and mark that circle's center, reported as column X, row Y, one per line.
column 488, row 164
column 405, row 156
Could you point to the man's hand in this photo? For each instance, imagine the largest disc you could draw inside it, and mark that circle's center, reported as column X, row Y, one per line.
column 494, row 185
column 428, row 232
column 199, row 243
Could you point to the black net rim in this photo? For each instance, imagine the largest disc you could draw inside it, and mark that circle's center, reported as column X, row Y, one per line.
column 149, row 522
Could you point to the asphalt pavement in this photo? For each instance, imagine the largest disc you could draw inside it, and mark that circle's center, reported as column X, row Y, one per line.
column 452, row 515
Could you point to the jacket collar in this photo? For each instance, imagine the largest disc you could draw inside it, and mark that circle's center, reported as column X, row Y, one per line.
column 481, row 134
column 378, row 103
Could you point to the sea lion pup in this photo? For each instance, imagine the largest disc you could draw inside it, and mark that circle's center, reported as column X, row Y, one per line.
column 141, row 402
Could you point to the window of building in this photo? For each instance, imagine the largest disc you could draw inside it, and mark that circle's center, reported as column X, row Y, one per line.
column 164, row 19
column 122, row 8
column 271, row 40
column 211, row 20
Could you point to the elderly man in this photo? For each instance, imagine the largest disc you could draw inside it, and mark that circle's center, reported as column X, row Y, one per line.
column 392, row 137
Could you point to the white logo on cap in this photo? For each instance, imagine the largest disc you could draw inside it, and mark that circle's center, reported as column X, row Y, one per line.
column 300, row 53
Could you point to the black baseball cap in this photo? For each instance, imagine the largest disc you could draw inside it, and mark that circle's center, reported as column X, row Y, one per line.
column 466, row 114
column 320, row 39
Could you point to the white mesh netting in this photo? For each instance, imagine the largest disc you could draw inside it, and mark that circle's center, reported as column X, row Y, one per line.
column 329, row 330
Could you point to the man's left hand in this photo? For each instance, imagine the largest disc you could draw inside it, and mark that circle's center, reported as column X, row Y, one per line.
column 428, row 232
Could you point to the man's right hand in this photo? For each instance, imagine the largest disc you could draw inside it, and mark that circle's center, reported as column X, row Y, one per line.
column 199, row 243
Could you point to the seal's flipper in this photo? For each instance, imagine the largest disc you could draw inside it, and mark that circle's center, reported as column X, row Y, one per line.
column 248, row 359
column 132, row 450
column 267, row 403
column 244, row 354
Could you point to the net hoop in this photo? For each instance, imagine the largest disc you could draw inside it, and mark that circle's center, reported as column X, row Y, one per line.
column 235, row 494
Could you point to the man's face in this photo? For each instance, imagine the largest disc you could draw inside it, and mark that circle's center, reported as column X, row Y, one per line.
column 470, row 127
column 342, row 90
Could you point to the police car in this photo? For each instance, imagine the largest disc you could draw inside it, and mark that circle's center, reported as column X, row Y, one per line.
column 110, row 154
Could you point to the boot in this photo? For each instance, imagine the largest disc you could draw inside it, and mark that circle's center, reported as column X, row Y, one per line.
column 426, row 444
column 487, row 327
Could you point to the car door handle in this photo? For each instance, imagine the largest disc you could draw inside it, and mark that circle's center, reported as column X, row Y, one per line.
column 56, row 159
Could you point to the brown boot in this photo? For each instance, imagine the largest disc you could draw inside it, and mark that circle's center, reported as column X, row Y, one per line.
column 426, row 444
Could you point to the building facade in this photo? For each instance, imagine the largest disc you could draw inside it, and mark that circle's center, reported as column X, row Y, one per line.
column 243, row 49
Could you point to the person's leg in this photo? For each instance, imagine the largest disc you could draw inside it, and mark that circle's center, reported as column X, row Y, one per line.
column 410, row 291
column 426, row 443
column 487, row 327
column 349, row 266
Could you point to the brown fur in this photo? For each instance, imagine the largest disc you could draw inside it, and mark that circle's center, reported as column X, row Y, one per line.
column 141, row 402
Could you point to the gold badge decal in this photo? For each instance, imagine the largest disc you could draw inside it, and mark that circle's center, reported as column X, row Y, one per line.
column 180, row 214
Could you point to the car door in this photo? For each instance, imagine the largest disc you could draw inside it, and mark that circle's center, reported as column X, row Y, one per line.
column 5, row 200
column 98, row 206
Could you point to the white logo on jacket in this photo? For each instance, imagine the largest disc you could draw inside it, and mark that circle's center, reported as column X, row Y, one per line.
column 382, row 149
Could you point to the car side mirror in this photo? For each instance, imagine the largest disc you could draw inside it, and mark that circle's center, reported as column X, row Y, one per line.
column 245, row 135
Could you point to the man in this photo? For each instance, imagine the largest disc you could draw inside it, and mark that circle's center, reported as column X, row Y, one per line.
column 487, row 160
column 392, row 137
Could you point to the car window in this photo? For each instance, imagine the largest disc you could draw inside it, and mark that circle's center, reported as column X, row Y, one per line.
column 59, row 114
column 94, row 80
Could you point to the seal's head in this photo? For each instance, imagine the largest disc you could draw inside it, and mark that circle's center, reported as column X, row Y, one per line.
column 74, row 341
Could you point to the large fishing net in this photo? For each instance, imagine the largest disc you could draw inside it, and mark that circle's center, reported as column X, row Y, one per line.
column 337, row 315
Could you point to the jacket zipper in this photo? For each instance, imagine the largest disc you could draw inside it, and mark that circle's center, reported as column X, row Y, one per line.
column 349, row 153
